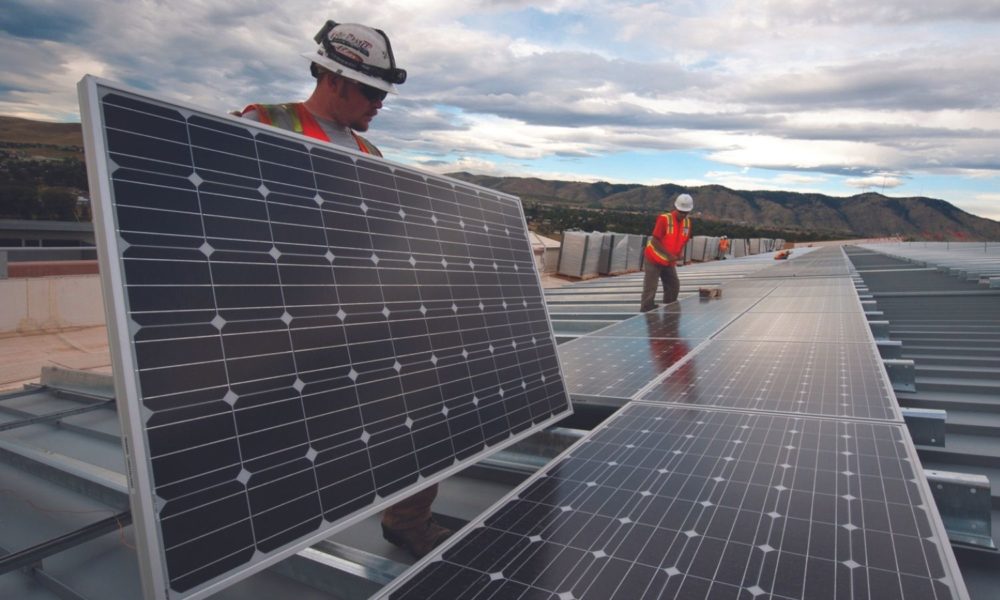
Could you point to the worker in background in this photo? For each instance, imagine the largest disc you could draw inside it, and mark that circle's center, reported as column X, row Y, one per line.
column 664, row 249
column 355, row 69
column 723, row 248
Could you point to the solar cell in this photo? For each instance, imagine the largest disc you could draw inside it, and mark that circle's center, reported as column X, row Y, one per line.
column 668, row 502
column 301, row 334
column 826, row 379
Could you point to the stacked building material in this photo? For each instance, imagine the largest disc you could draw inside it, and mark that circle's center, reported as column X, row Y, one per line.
column 580, row 254
column 614, row 254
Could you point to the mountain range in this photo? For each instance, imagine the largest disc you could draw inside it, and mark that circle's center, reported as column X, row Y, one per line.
column 862, row 215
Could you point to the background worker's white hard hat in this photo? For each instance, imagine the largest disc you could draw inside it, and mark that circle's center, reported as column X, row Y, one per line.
column 684, row 203
column 357, row 52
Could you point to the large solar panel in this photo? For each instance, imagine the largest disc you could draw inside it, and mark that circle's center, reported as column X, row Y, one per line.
column 301, row 334
column 669, row 502
column 826, row 379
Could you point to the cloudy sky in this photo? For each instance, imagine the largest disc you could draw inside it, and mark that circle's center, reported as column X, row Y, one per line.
column 831, row 96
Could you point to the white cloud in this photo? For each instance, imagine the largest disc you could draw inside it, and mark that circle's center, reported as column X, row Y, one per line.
column 878, row 181
column 744, row 180
column 889, row 12
column 985, row 205
column 780, row 153
column 812, row 87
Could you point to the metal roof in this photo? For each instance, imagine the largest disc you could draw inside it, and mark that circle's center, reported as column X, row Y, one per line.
column 62, row 471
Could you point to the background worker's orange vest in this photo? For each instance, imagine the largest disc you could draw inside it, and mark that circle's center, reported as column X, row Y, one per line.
column 668, row 238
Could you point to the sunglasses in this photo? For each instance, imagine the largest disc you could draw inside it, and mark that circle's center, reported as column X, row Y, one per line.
column 373, row 94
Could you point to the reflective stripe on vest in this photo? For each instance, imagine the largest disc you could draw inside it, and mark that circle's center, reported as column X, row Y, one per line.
column 654, row 245
column 302, row 121
column 685, row 225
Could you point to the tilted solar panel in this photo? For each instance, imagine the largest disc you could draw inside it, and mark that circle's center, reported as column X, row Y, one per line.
column 668, row 502
column 301, row 334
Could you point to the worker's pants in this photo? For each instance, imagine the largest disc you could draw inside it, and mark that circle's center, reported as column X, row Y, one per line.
column 410, row 512
column 671, row 284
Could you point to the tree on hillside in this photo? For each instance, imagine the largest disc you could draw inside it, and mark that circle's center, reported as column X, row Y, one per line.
column 18, row 201
column 57, row 204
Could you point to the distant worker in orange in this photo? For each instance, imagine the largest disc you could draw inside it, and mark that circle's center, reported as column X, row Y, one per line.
column 665, row 248
column 723, row 248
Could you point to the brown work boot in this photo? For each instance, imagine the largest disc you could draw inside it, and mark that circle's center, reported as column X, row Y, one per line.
column 418, row 540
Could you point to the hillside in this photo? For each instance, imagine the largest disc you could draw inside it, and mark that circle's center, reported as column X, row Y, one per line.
column 35, row 139
column 862, row 215
column 42, row 174
column 37, row 155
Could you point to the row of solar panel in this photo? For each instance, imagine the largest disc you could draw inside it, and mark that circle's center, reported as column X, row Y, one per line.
column 767, row 463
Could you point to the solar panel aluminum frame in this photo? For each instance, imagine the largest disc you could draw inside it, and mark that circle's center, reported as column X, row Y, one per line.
column 934, row 518
column 149, row 542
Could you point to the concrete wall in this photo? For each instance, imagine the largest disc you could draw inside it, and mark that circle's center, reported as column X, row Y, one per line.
column 37, row 304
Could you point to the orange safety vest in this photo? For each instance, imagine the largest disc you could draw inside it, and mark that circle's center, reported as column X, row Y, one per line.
column 668, row 238
column 723, row 245
column 295, row 117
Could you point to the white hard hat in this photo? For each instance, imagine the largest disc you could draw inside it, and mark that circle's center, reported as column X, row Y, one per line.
column 357, row 52
column 684, row 203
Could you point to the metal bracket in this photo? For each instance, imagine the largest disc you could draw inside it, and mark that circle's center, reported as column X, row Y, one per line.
column 889, row 348
column 902, row 374
column 880, row 329
column 926, row 425
column 963, row 500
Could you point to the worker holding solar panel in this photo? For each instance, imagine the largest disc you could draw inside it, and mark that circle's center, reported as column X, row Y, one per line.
column 355, row 69
column 664, row 249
